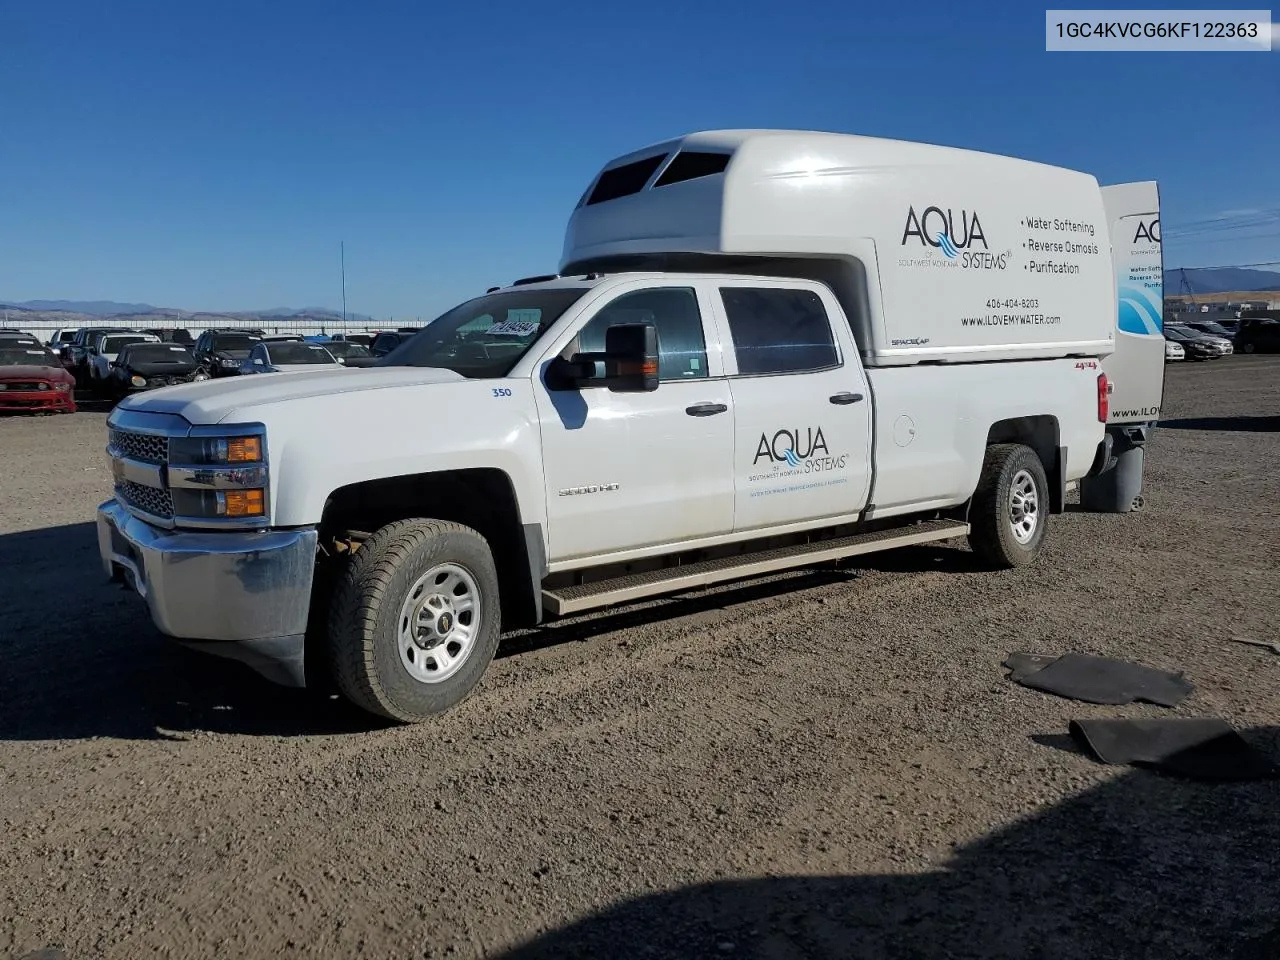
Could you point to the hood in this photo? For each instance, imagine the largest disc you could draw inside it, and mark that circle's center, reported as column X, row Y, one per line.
column 212, row 400
column 178, row 367
column 34, row 372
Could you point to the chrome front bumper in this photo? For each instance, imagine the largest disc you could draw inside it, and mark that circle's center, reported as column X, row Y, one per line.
column 243, row 595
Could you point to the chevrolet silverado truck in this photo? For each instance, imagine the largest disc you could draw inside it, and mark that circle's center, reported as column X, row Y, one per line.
column 762, row 350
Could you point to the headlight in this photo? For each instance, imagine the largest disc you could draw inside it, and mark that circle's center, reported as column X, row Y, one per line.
column 229, row 361
column 138, row 381
column 216, row 480
column 63, row 387
column 213, row 451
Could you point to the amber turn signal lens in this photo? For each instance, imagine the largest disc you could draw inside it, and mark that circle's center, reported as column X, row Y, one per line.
column 244, row 450
column 242, row 503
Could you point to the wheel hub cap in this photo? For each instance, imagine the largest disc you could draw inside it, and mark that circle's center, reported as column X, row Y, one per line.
column 439, row 622
column 1024, row 506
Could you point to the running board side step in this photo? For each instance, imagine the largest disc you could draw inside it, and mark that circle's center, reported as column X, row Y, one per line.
column 563, row 601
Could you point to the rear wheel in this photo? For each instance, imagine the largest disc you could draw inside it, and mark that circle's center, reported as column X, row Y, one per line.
column 415, row 619
column 1010, row 508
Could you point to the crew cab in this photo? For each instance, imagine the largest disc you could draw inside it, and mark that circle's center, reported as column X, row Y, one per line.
column 763, row 350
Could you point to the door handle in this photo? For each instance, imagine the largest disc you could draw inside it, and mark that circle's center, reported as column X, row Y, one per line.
column 705, row 409
column 846, row 398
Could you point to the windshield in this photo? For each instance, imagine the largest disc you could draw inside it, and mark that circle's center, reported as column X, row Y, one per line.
column 115, row 344
column 157, row 353
column 487, row 336
column 1215, row 328
column 26, row 356
column 343, row 348
column 234, row 341
column 285, row 353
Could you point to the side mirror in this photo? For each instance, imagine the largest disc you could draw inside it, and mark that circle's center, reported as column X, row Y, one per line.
column 629, row 363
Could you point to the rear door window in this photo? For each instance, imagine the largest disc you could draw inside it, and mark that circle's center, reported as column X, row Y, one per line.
column 779, row 330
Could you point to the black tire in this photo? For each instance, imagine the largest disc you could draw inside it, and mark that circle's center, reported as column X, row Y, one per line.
column 991, row 534
column 363, row 630
column 1248, row 348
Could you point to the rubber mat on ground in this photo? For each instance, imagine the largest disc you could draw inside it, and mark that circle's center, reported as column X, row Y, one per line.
column 1198, row 748
column 1092, row 679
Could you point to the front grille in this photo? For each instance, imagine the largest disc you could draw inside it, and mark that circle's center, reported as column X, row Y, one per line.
column 150, row 500
column 141, row 446
column 24, row 385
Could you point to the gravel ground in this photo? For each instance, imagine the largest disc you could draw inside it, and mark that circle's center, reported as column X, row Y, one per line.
column 825, row 764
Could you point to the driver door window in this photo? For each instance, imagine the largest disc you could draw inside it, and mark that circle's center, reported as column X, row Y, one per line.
column 682, row 347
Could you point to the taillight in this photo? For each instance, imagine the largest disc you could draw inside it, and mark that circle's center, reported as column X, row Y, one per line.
column 1104, row 400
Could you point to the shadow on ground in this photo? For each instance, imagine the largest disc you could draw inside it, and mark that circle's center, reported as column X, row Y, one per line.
column 1224, row 424
column 1143, row 866
column 80, row 657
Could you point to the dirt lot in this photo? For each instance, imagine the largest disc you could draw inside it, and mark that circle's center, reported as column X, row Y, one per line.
column 828, row 764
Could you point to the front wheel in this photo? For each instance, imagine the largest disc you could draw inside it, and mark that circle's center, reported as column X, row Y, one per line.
column 415, row 619
column 1010, row 511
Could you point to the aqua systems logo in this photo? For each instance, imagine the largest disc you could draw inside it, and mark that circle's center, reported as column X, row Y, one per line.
column 790, row 451
column 956, row 234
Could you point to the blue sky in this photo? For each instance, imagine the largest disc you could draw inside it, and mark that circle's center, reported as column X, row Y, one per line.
column 212, row 156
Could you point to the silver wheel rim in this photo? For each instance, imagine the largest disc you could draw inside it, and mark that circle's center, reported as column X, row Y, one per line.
column 439, row 622
column 1024, row 506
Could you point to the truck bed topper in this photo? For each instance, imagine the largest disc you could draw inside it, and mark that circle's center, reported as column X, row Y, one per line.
column 938, row 254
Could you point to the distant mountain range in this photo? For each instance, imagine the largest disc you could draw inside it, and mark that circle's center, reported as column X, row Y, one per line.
column 71, row 309
column 1219, row 280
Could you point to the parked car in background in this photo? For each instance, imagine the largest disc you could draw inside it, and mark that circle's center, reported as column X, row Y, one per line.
column 61, row 338
column 1218, row 338
column 178, row 335
column 351, row 354
column 1212, row 328
column 18, row 337
column 1198, row 346
column 221, row 352
column 32, row 379
column 366, row 339
column 388, row 340
column 284, row 356
column 103, row 353
column 76, row 356
column 150, row 365
column 1258, row 335
column 1173, row 351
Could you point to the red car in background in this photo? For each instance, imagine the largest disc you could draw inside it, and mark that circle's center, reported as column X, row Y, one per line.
column 33, row 380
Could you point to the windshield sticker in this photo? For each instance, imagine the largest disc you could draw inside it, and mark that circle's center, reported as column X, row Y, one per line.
column 178, row 349
column 514, row 328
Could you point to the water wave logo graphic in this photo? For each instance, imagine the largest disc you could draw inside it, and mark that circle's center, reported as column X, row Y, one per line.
column 792, row 460
column 948, row 247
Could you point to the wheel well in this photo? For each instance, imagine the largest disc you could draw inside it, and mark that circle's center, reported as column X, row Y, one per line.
column 483, row 499
column 1041, row 434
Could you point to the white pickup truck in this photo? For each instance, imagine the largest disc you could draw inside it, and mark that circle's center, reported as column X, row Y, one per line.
column 763, row 350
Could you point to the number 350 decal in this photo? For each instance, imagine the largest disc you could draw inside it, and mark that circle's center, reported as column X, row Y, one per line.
column 502, row 391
